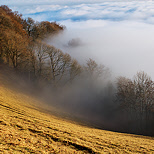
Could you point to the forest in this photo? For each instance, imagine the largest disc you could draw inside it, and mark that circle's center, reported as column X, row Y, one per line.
column 86, row 91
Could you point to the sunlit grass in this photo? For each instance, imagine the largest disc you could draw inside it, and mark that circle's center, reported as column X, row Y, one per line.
column 25, row 129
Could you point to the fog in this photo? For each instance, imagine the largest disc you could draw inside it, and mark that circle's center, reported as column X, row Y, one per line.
column 116, row 34
column 125, row 47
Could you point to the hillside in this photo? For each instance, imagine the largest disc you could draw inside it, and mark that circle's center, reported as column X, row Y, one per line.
column 25, row 128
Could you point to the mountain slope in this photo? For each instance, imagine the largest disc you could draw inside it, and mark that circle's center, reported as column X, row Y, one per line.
column 24, row 128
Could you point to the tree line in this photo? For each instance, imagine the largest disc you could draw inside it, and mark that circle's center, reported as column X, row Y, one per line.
column 22, row 47
column 136, row 99
column 127, row 105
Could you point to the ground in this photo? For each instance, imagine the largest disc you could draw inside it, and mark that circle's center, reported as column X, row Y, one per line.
column 25, row 128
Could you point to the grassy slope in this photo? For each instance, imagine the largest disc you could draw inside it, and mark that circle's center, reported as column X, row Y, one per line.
column 25, row 129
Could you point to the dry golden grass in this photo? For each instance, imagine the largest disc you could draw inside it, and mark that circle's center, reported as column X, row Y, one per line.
column 25, row 129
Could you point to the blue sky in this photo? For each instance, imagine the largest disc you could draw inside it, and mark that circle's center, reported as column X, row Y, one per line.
column 118, row 34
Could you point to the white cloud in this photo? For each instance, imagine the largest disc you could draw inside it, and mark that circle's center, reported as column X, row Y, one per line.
column 86, row 9
column 84, row 24
column 74, row 12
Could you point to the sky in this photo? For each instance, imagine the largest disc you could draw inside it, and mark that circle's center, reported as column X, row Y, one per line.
column 118, row 34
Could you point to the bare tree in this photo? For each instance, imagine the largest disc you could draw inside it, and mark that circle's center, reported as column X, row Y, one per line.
column 126, row 96
column 41, row 55
column 75, row 69
column 28, row 25
column 144, row 90
column 137, row 98
column 15, row 48
column 94, row 71
column 59, row 64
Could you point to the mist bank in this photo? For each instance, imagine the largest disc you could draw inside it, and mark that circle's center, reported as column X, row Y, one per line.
column 125, row 105
column 124, row 47
column 120, row 106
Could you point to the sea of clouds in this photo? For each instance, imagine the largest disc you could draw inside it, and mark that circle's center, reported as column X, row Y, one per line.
column 82, row 10
column 118, row 34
